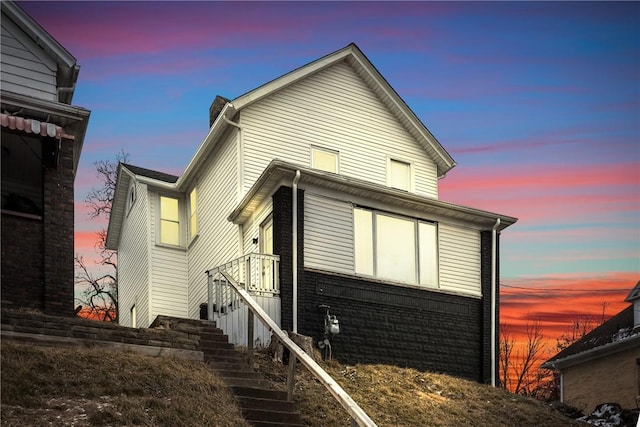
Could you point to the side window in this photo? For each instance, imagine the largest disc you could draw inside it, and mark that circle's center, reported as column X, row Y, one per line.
column 169, row 221
column 193, row 214
column 323, row 159
column 399, row 175
column 131, row 197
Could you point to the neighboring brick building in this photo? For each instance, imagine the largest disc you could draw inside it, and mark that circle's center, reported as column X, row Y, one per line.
column 42, row 137
column 604, row 365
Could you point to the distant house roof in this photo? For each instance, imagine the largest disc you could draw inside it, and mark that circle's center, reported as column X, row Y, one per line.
column 634, row 294
column 160, row 176
column 613, row 335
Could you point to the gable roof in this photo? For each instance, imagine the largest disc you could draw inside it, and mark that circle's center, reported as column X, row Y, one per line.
column 613, row 335
column 160, row 176
column 67, row 73
column 365, row 69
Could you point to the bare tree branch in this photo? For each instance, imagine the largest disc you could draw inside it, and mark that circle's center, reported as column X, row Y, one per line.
column 99, row 298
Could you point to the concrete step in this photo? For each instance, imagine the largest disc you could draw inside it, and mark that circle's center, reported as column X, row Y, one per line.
column 214, row 345
column 241, row 365
column 268, row 404
column 230, row 358
column 259, row 393
column 246, row 382
column 211, row 337
column 271, row 416
column 256, row 423
column 223, row 352
column 238, row 374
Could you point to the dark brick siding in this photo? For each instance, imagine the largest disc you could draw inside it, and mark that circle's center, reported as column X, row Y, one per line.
column 37, row 255
column 382, row 323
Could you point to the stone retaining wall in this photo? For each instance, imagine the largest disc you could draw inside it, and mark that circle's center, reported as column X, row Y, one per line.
column 165, row 332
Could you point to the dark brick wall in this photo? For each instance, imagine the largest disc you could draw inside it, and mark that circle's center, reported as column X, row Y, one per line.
column 381, row 323
column 58, row 234
column 22, row 259
column 37, row 255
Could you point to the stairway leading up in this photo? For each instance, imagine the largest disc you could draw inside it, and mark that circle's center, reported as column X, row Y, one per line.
column 261, row 406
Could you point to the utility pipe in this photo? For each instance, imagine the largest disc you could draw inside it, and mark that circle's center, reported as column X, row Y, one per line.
column 294, row 209
column 494, row 267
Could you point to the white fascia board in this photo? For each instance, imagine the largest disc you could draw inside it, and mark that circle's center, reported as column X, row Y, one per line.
column 38, row 34
column 118, row 207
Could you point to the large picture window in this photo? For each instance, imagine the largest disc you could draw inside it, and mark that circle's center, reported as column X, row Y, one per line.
column 169, row 221
column 395, row 248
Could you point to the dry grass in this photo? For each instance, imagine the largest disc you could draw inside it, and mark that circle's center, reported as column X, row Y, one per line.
column 48, row 386
column 394, row 396
column 81, row 387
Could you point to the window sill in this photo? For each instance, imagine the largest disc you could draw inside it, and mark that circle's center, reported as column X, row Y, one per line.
column 174, row 247
column 193, row 240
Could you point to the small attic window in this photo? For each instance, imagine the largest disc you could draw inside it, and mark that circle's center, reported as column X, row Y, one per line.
column 131, row 197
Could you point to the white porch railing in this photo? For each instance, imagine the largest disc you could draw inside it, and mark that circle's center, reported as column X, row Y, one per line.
column 258, row 275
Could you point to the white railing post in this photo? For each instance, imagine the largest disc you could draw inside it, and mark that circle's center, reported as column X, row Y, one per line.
column 209, row 296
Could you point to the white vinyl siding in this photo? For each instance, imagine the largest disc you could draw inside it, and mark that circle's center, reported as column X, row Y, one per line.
column 459, row 259
column 168, row 275
column 251, row 229
column 334, row 109
column 328, row 234
column 219, row 240
column 133, row 264
column 24, row 67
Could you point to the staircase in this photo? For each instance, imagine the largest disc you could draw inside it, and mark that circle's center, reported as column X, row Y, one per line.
column 261, row 406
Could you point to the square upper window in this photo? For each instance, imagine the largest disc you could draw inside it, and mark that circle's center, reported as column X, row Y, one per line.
column 323, row 159
column 399, row 175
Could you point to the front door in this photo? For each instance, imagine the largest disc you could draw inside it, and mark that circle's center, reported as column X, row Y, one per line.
column 266, row 247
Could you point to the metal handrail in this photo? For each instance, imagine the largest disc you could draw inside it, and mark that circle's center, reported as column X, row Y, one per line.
column 357, row 414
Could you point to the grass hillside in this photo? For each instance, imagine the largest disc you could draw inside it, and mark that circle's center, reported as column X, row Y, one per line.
column 394, row 396
column 80, row 387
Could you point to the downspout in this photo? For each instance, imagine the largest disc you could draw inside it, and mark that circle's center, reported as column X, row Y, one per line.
column 240, row 178
column 494, row 267
column 294, row 209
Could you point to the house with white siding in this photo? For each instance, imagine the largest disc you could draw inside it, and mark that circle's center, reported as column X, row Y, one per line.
column 319, row 188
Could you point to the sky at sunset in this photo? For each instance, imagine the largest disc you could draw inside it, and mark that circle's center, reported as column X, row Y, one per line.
column 538, row 103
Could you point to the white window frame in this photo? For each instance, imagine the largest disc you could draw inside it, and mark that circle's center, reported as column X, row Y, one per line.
column 390, row 180
column 159, row 219
column 316, row 149
column 370, row 268
column 132, row 196
column 193, row 213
